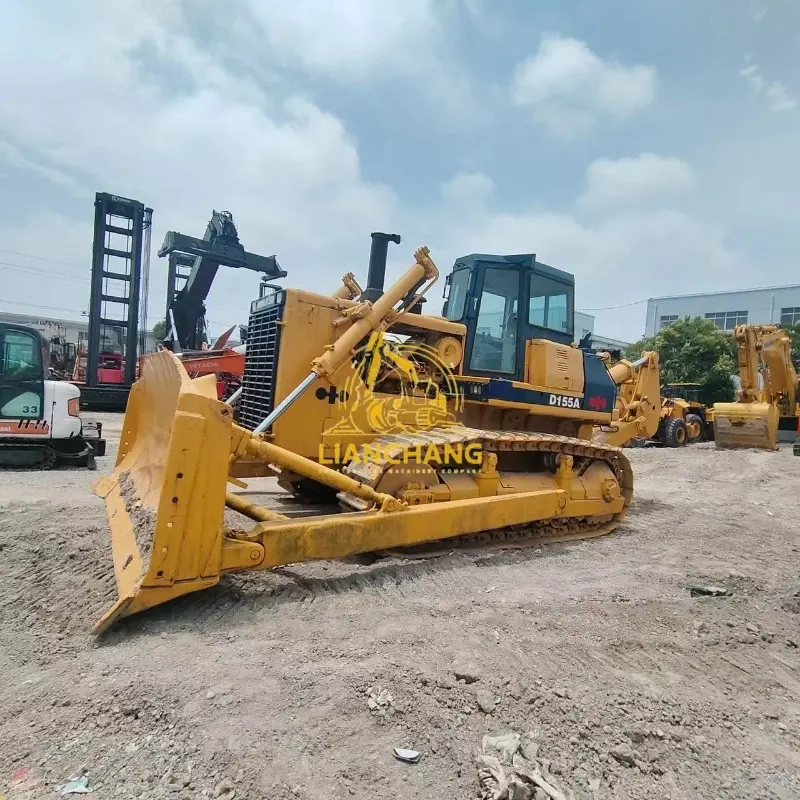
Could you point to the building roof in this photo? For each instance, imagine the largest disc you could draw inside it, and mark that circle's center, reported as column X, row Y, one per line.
column 11, row 317
column 725, row 291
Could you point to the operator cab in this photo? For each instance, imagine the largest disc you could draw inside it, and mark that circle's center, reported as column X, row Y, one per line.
column 690, row 392
column 505, row 301
column 24, row 359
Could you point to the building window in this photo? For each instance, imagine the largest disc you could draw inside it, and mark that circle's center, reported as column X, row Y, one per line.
column 666, row 321
column 728, row 320
column 790, row 316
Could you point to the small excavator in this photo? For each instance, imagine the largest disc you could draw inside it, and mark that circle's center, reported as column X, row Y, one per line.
column 767, row 394
column 40, row 423
column 470, row 429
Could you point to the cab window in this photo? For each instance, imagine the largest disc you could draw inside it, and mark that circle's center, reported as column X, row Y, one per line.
column 495, row 345
column 21, row 357
column 550, row 304
column 459, row 286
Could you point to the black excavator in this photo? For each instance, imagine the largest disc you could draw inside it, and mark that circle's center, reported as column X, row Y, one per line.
column 220, row 246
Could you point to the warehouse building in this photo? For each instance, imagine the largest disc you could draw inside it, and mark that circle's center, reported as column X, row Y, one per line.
column 70, row 330
column 778, row 305
column 584, row 324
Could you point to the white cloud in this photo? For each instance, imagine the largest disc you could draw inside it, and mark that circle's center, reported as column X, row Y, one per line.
column 778, row 97
column 619, row 258
column 288, row 171
column 348, row 39
column 644, row 179
column 467, row 190
column 568, row 87
column 363, row 42
column 146, row 112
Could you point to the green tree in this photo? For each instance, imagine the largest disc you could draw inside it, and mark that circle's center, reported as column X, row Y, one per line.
column 794, row 334
column 694, row 350
column 160, row 331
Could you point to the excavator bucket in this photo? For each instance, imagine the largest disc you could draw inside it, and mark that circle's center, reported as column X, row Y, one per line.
column 740, row 425
column 165, row 499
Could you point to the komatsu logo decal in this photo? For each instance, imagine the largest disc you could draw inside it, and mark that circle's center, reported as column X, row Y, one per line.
column 564, row 401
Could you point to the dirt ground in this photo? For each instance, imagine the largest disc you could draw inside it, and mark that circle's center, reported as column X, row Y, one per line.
column 260, row 688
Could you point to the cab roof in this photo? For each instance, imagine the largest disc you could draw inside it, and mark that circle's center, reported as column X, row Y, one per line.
column 525, row 260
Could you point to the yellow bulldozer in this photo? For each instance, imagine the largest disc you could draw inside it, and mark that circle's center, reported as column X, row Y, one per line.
column 767, row 394
column 469, row 429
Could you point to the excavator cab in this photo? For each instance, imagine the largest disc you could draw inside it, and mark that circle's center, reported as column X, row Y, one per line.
column 505, row 302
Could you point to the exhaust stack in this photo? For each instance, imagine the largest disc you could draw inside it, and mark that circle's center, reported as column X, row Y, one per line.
column 378, row 253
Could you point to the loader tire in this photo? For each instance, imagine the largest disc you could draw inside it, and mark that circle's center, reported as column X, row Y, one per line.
column 675, row 433
column 695, row 422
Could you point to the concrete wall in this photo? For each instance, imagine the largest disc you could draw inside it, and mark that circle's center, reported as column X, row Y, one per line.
column 760, row 307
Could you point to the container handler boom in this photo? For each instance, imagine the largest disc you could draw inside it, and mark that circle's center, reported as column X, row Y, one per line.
column 219, row 246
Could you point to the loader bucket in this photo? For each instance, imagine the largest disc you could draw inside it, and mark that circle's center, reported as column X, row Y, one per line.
column 165, row 499
column 739, row 425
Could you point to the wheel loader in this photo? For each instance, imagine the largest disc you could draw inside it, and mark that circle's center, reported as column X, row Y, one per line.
column 683, row 419
column 767, row 395
column 469, row 429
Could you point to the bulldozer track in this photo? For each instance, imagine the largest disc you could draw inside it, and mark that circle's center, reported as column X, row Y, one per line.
column 370, row 471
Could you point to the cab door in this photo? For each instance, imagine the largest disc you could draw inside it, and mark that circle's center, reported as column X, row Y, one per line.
column 21, row 375
column 494, row 345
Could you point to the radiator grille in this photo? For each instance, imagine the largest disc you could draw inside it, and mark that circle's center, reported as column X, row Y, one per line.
column 562, row 360
column 260, row 366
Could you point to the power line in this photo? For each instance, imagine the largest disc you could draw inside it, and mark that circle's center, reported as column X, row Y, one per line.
column 47, row 273
column 43, row 258
column 611, row 308
column 48, row 308
column 76, row 278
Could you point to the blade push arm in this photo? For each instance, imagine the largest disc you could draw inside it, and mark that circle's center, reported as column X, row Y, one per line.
column 638, row 402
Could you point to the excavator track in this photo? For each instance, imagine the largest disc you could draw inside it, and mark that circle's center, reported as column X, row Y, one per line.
column 370, row 471
column 23, row 455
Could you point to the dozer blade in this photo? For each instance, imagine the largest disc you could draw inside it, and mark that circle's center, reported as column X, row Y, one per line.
column 740, row 425
column 165, row 499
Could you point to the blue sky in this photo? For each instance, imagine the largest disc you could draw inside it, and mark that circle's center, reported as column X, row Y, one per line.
column 649, row 148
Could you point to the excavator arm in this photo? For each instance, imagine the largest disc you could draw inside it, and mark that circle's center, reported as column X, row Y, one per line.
column 780, row 376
